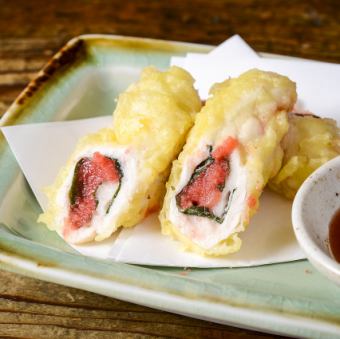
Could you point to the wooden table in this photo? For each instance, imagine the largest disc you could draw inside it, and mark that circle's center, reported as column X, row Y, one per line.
column 32, row 31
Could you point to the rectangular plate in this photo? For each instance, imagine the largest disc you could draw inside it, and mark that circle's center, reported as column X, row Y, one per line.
column 81, row 81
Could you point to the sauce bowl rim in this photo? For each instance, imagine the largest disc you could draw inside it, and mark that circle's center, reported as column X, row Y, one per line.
column 325, row 263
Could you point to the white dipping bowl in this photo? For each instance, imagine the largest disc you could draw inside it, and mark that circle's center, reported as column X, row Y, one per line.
column 313, row 208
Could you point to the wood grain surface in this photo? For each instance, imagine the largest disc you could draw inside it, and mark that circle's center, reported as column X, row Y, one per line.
column 32, row 31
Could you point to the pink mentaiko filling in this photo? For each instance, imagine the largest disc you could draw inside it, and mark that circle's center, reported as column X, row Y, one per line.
column 206, row 188
column 89, row 174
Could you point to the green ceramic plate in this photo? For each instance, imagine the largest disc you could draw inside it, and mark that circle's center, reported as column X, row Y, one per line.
column 81, row 81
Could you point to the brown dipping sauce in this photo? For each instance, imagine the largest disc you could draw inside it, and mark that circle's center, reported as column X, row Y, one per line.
column 334, row 235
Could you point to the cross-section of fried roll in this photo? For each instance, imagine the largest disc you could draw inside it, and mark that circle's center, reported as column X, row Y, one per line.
column 310, row 142
column 117, row 175
column 231, row 152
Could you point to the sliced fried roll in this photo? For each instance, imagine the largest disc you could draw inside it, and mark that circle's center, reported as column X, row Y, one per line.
column 231, row 152
column 116, row 176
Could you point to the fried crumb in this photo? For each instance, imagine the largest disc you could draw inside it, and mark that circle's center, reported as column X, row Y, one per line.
column 186, row 271
column 308, row 271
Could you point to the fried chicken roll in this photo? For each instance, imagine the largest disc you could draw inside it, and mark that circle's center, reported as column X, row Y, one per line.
column 310, row 142
column 231, row 152
column 117, row 175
